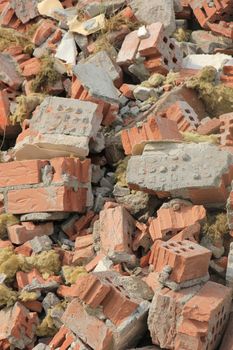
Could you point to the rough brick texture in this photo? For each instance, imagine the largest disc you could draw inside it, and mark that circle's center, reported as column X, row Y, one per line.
column 188, row 260
column 61, row 184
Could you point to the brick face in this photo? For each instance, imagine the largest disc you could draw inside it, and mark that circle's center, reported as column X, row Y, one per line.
column 46, row 199
column 30, row 186
column 21, row 173
column 187, row 259
column 154, row 129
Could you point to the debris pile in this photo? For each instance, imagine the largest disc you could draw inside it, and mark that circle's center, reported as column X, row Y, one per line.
column 116, row 174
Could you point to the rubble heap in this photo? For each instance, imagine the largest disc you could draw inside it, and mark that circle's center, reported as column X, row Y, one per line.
column 116, row 174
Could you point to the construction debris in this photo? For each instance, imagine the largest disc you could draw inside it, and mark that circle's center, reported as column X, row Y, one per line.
column 116, row 174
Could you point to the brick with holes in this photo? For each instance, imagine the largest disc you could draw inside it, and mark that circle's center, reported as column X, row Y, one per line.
column 192, row 318
column 188, row 260
column 206, row 14
column 165, row 52
column 122, row 306
column 183, row 114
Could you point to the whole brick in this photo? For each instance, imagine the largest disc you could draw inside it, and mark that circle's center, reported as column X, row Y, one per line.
column 188, row 260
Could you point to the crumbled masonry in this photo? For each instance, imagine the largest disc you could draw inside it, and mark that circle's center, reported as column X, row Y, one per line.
column 116, row 174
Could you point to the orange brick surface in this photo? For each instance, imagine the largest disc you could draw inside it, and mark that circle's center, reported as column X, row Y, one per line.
column 187, row 259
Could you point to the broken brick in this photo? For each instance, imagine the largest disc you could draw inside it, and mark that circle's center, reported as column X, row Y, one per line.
column 154, row 129
column 19, row 234
column 116, row 229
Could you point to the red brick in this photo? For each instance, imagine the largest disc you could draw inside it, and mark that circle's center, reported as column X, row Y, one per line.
column 183, row 114
column 21, row 172
column 87, row 326
column 128, row 49
column 127, row 90
column 19, row 234
column 83, row 256
column 18, row 324
column 42, row 33
column 109, row 110
column 88, row 289
column 94, row 262
column 34, row 305
column 153, row 44
column 203, row 322
column 170, row 221
column 6, row 15
column 31, row 67
column 190, row 233
column 4, row 109
column 209, row 15
column 155, row 64
column 62, row 339
column 211, row 126
column 25, row 278
column 46, row 199
column 5, row 244
column 222, row 28
column 187, row 259
column 24, row 249
column 226, row 129
column 154, row 129
column 72, row 167
column 84, row 221
column 192, row 318
column 116, row 228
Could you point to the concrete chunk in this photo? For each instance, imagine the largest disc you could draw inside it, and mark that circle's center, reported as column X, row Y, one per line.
column 97, row 82
column 59, row 125
column 200, row 172
column 155, row 11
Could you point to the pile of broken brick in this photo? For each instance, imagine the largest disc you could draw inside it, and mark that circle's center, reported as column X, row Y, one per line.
column 116, row 205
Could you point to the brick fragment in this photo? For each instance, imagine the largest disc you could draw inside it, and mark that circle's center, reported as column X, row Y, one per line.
column 153, row 130
column 116, row 228
column 107, row 292
column 87, row 326
column 209, row 126
column 174, row 219
column 8, row 72
column 18, row 326
column 128, row 49
column 31, row 67
column 182, row 320
column 4, row 110
column 45, row 29
column 226, row 129
column 19, row 234
column 183, row 114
